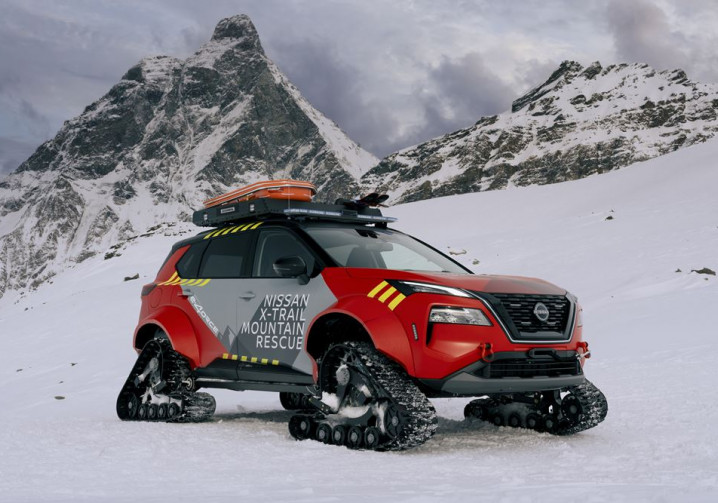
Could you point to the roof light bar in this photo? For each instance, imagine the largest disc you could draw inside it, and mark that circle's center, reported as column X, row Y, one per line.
column 326, row 213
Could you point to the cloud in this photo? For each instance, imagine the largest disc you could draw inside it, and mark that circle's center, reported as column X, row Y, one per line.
column 460, row 91
column 390, row 74
column 13, row 153
column 642, row 34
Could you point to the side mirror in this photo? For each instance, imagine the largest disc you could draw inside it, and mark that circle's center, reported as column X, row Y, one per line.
column 292, row 267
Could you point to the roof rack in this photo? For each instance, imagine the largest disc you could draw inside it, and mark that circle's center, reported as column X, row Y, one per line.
column 265, row 208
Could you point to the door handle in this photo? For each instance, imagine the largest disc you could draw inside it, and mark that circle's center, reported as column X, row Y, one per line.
column 247, row 295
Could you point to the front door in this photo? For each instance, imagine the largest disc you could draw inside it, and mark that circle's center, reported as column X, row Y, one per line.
column 274, row 313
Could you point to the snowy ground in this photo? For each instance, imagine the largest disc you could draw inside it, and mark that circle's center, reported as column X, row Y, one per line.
column 651, row 330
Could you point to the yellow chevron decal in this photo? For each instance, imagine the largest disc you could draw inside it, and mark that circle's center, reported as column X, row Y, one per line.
column 377, row 289
column 231, row 230
column 176, row 280
column 172, row 278
column 397, row 300
column 387, row 294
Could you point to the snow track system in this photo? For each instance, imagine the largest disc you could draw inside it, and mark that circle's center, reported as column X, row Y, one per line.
column 368, row 402
column 560, row 412
column 160, row 388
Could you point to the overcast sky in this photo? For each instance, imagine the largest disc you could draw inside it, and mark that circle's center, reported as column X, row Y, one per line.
column 390, row 73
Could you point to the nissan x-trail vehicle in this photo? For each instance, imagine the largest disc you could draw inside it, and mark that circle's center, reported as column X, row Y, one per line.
column 355, row 325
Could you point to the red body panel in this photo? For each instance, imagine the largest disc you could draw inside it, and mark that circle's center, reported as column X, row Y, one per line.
column 168, row 309
column 448, row 348
column 433, row 353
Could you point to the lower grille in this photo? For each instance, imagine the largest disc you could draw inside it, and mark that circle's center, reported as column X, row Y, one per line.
column 530, row 368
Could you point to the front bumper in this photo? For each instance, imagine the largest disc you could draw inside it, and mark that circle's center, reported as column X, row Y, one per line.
column 511, row 372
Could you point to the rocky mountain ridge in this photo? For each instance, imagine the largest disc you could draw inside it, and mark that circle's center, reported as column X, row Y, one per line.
column 170, row 134
column 581, row 121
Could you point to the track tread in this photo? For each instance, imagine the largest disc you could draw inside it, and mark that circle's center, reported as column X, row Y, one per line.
column 422, row 421
column 593, row 404
column 175, row 369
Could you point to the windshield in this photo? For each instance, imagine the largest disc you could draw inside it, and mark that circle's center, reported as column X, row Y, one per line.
column 380, row 249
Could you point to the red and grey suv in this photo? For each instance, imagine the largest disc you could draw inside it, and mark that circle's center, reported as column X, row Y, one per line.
column 355, row 324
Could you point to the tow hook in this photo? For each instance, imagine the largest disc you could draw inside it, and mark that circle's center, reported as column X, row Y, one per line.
column 586, row 352
column 485, row 351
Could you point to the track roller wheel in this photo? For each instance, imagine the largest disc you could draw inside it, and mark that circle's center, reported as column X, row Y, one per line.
column 142, row 412
column 127, row 404
column 339, row 434
column 372, row 435
column 550, row 423
column 571, row 408
column 300, row 427
column 324, row 433
column 474, row 410
column 533, row 421
column 173, row 410
column 152, row 412
column 514, row 420
column 355, row 437
column 392, row 421
column 293, row 401
column 162, row 411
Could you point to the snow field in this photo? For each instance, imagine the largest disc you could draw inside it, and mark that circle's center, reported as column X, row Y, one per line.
column 651, row 331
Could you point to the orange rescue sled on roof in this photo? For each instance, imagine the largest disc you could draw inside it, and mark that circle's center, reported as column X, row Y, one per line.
column 294, row 190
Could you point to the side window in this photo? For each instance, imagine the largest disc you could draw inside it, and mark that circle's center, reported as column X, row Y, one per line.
column 274, row 244
column 226, row 256
column 188, row 265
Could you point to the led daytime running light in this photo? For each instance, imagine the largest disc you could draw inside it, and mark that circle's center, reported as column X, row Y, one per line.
column 417, row 287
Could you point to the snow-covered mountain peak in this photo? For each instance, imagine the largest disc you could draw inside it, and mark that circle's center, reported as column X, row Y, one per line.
column 169, row 134
column 239, row 27
column 581, row 120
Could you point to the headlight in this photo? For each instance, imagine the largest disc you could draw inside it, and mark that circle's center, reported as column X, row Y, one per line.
column 459, row 316
column 416, row 287
column 579, row 318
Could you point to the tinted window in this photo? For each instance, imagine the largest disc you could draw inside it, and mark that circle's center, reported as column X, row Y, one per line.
column 274, row 244
column 188, row 265
column 226, row 256
column 380, row 249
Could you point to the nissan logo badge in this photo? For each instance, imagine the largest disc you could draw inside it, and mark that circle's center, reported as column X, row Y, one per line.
column 541, row 311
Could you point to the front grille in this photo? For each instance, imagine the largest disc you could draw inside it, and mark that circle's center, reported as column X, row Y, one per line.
column 531, row 368
column 520, row 309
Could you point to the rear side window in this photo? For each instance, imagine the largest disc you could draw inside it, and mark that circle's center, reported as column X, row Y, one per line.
column 188, row 265
column 226, row 257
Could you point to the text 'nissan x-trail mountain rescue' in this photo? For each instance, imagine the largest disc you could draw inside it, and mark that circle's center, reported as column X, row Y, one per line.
column 355, row 325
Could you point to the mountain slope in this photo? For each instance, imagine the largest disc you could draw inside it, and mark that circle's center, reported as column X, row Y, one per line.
column 67, row 350
column 579, row 122
column 168, row 135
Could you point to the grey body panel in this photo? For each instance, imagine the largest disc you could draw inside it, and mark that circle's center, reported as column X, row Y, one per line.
column 262, row 318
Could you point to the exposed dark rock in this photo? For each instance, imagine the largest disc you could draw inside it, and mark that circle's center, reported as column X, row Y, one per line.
column 169, row 134
column 705, row 270
column 564, row 129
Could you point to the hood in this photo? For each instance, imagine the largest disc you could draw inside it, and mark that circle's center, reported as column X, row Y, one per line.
column 478, row 283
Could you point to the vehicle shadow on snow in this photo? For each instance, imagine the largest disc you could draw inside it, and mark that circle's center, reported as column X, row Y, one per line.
column 270, row 416
column 474, row 435
column 451, row 434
